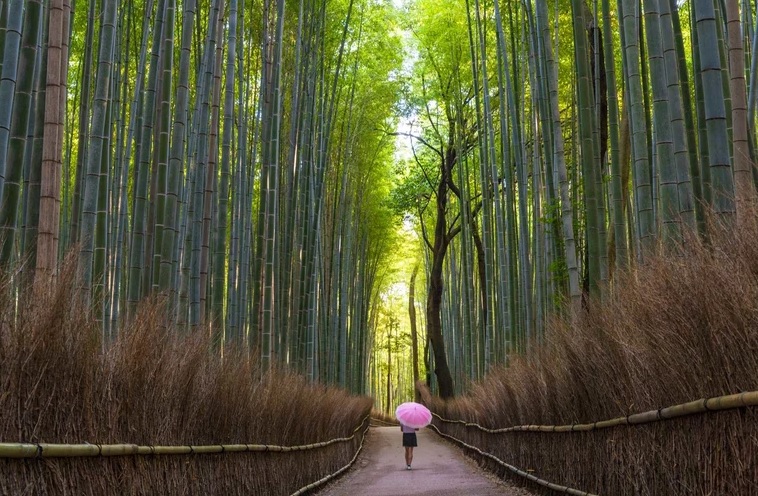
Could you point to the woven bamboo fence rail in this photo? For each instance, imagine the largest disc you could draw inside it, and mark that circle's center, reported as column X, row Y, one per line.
column 48, row 450
column 727, row 402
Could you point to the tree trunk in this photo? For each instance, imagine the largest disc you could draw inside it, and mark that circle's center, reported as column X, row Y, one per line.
column 47, row 241
column 719, row 161
column 434, row 297
column 481, row 270
column 434, row 330
column 387, row 408
column 414, row 334
column 743, row 177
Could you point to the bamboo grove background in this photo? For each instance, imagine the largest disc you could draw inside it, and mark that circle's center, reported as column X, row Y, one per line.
column 559, row 144
column 238, row 158
column 227, row 155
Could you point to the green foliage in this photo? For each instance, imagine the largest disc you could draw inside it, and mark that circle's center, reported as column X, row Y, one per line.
column 411, row 194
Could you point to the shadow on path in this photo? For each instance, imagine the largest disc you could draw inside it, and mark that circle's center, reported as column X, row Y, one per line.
column 439, row 469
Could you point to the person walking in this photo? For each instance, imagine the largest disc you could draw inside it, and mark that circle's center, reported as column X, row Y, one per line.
column 409, row 442
column 412, row 417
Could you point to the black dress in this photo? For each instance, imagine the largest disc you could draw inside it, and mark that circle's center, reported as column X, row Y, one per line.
column 409, row 439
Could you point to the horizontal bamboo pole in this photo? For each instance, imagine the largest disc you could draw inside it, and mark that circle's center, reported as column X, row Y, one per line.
column 704, row 405
column 49, row 450
column 515, row 470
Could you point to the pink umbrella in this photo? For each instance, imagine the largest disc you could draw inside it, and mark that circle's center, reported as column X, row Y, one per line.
column 413, row 415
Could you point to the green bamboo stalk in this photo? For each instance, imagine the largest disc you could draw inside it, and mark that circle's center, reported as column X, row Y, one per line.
column 664, row 144
column 689, row 116
column 84, row 123
column 617, row 196
column 22, row 105
column 138, row 246
column 8, row 77
column 715, row 109
column 524, row 267
column 678, row 118
column 169, row 175
column 3, row 29
column 97, row 151
column 210, row 196
column 220, row 249
column 162, row 154
column 200, row 175
column 33, row 155
column 589, row 148
column 642, row 173
column 559, row 160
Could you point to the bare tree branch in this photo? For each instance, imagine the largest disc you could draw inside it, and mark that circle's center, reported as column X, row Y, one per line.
column 419, row 139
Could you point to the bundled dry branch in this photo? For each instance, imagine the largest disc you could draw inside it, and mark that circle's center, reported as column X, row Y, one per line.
column 677, row 328
column 60, row 385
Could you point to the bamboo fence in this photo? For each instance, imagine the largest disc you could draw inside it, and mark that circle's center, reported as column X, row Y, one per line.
column 331, row 476
column 727, row 402
column 515, row 470
column 48, row 450
column 696, row 455
column 12, row 455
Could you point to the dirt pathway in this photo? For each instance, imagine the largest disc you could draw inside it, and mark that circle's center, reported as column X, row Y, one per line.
column 439, row 469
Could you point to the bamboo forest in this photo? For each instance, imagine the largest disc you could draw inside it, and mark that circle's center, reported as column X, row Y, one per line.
column 227, row 222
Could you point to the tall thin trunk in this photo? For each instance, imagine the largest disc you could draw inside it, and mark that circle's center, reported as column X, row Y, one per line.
column 642, row 174
column 22, row 104
column 138, row 246
column 55, row 96
column 664, row 144
column 99, row 140
column 745, row 194
column 414, row 332
column 722, row 183
column 8, row 77
column 590, row 162
column 559, row 161
column 617, row 187
column 170, row 174
column 220, row 246
column 442, row 238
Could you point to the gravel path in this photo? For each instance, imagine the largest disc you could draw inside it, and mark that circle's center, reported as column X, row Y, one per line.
column 439, row 469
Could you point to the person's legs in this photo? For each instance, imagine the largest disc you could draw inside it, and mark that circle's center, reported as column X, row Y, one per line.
column 409, row 441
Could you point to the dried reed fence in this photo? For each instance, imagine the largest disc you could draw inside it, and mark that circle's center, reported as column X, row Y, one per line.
column 679, row 328
column 710, row 405
column 59, row 384
column 327, row 478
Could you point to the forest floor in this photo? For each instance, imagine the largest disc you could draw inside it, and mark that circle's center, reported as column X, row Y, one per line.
column 439, row 469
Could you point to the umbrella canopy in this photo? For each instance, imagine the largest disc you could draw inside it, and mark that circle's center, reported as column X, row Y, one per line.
column 413, row 415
